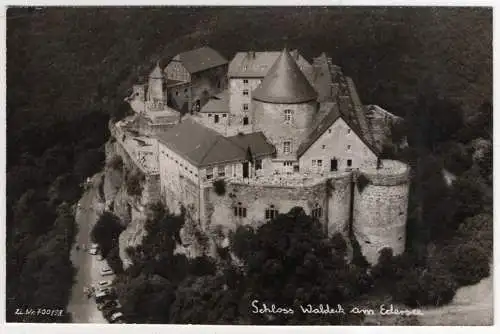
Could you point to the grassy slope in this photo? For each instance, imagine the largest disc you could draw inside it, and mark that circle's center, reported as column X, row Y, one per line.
column 64, row 62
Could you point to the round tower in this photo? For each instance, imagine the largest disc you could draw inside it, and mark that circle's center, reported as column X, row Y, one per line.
column 380, row 205
column 284, row 105
column 155, row 85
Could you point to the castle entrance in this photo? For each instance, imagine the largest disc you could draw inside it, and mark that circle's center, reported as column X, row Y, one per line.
column 333, row 165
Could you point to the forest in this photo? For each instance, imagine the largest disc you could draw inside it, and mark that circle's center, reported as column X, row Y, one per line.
column 68, row 70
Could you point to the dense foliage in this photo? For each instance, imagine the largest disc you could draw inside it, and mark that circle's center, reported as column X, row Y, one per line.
column 63, row 87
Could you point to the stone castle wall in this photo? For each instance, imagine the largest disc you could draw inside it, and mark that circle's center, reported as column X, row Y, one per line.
column 339, row 204
column 218, row 210
column 380, row 209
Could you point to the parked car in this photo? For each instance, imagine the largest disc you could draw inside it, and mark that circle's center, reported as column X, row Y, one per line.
column 108, row 290
column 109, row 304
column 115, row 317
column 102, row 296
column 103, row 284
column 94, row 249
column 106, row 271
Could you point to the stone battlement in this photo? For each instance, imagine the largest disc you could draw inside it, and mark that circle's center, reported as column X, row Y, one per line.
column 392, row 173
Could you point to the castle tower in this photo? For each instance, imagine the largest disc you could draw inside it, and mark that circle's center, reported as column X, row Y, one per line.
column 380, row 206
column 155, row 93
column 284, row 105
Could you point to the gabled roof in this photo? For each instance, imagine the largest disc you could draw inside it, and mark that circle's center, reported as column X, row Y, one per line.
column 256, row 64
column 217, row 104
column 200, row 59
column 256, row 141
column 285, row 83
column 327, row 119
column 204, row 147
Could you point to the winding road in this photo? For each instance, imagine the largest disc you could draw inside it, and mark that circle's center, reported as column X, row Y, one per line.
column 81, row 308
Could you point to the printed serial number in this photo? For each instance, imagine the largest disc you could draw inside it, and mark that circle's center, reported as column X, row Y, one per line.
column 40, row 311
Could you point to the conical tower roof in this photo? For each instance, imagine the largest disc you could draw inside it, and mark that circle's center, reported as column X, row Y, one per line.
column 285, row 83
column 156, row 73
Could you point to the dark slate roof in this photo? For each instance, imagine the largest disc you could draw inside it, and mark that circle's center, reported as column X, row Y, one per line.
column 217, row 104
column 256, row 64
column 200, row 59
column 285, row 83
column 204, row 147
column 325, row 119
column 256, row 141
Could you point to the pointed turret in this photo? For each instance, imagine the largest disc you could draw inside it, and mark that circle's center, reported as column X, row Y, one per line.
column 155, row 85
column 285, row 83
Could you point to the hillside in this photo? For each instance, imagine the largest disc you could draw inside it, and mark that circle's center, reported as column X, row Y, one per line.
column 66, row 61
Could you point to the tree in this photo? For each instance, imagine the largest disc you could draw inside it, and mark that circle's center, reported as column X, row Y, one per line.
column 205, row 300
column 116, row 162
column 88, row 163
column 468, row 195
column 478, row 230
column 106, row 231
column 468, row 263
column 425, row 287
column 291, row 262
column 134, row 187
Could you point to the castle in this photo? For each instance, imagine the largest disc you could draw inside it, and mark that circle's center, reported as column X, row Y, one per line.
column 280, row 132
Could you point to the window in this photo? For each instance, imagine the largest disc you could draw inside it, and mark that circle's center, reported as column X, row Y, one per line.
column 348, row 131
column 216, row 119
column 221, row 171
column 320, row 163
column 287, row 147
column 288, row 116
column 239, row 211
column 245, row 92
column 245, row 120
column 323, row 146
column 258, row 164
column 287, row 163
column 314, row 163
column 348, row 147
column 329, row 130
column 349, row 162
column 245, row 81
column 209, row 115
column 224, row 115
column 177, row 93
column 245, row 106
column 210, row 173
column 317, row 212
column 271, row 213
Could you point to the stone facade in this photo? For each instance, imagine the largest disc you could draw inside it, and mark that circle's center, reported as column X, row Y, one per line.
column 380, row 209
column 335, row 148
column 240, row 103
column 193, row 90
column 270, row 119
